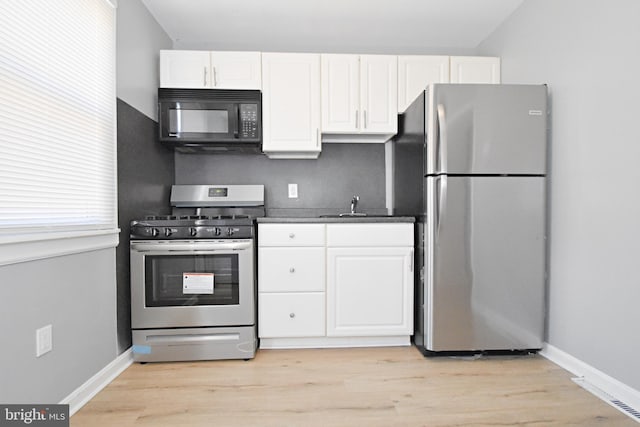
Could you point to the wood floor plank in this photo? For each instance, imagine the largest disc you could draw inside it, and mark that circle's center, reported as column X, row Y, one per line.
column 348, row 387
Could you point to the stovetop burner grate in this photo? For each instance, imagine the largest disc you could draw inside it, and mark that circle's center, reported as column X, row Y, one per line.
column 193, row 217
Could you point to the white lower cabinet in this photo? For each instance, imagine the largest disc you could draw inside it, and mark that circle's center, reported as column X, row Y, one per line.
column 369, row 291
column 335, row 285
column 291, row 282
column 292, row 315
column 292, row 270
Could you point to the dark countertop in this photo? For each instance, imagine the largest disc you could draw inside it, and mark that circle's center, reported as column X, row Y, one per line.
column 334, row 220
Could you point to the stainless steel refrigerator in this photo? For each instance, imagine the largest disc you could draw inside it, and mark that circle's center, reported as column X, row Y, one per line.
column 470, row 162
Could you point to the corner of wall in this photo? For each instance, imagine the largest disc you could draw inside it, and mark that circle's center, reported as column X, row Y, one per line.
column 139, row 40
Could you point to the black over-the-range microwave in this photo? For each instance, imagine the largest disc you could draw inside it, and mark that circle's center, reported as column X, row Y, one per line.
column 210, row 120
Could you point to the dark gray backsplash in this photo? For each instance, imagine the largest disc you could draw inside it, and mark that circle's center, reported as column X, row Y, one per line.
column 325, row 185
column 145, row 175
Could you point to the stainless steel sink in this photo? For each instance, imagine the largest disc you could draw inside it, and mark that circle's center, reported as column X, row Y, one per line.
column 345, row 215
column 354, row 215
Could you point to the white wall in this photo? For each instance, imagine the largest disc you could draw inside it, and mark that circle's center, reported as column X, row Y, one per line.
column 76, row 295
column 139, row 40
column 588, row 53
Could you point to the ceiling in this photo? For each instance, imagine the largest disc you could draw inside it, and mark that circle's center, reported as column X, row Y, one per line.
column 400, row 26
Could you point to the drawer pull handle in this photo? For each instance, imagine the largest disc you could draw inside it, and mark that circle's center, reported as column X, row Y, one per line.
column 292, row 315
column 291, row 235
column 292, row 270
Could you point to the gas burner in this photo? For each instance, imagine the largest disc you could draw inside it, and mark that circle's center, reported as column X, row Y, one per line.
column 160, row 217
column 192, row 217
column 229, row 217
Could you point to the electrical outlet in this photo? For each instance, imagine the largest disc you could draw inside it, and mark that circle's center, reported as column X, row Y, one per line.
column 44, row 340
column 293, row 191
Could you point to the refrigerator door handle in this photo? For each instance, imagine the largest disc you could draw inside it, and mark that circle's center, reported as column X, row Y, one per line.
column 442, row 200
column 442, row 140
column 411, row 260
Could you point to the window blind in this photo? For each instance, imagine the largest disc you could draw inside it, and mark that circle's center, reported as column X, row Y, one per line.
column 57, row 115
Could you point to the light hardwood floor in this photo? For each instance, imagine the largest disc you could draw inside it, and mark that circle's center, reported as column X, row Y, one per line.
column 348, row 387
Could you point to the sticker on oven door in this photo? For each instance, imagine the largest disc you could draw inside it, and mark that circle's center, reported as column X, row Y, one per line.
column 197, row 283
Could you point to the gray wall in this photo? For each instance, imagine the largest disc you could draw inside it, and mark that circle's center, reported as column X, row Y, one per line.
column 75, row 294
column 325, row 185
column 145, row 169
column 145, row 175
column 588, row 54
column 139, row 40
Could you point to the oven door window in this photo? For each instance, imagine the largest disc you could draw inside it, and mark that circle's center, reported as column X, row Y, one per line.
column 217, row 280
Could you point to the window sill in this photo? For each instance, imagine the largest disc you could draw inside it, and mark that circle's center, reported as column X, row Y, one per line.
column 16, row 248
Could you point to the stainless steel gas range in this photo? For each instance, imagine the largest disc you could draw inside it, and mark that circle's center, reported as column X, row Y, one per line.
column 193, row 284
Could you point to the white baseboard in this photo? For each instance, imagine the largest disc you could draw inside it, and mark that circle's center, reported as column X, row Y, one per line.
column 334, row 342
column 599, row 379
column 80, row 396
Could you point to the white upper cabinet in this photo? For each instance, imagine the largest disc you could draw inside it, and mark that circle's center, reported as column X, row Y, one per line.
column 379, row 93
column 340, row 93
column 475, row 69
column 291, row 105
column 236, row 70
column 415, row 72
column 359, row 97
column 185, row 69
column 195, row 69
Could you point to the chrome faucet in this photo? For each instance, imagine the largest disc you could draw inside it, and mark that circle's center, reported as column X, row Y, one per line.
column 354, row 204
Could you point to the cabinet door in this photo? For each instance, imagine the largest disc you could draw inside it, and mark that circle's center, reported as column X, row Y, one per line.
column 475, row 69
column 415, row 72
column 185, row 69
column 369, row 291
column 236, row 70
column 379, row 93
column 291, row 103
column 291, row 315
column 340, row 93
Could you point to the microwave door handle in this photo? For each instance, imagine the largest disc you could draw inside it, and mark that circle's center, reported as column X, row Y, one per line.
column 236, row 122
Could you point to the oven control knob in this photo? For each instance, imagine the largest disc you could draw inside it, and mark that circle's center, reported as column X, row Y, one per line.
column 193, row 231
column 154, row 232
column 168, row 232
column 217, row 231
column 229, row 231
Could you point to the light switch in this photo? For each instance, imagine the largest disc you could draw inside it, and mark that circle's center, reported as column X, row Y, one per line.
column 44, row 340
column 293, row 191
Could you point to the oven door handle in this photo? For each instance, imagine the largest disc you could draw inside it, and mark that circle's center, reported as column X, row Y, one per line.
column 190, row 338
column 190, row 247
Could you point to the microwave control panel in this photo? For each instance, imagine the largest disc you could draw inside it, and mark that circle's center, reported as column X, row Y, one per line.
column 249, row 121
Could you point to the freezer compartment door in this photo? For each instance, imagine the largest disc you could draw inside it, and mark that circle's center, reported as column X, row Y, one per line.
column 484, row 263
column 486, row 129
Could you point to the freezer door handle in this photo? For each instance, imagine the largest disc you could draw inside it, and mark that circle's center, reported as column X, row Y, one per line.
column 442, row 140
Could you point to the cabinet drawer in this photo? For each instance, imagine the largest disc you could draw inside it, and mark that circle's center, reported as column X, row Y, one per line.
column 291, row 234
column 375, row 235
column 291, row 315
column 291, row 269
